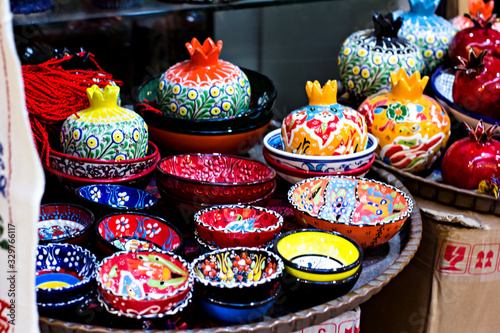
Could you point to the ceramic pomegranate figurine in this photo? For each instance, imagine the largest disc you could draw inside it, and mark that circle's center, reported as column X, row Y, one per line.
column 324, row 127
column 105, row 130
column 481, row 36
column 430, row 32
column 412, row 128
column 485, row 7
column 476, row 86
column 368, row 57
column 470, row 160
column 204, row 87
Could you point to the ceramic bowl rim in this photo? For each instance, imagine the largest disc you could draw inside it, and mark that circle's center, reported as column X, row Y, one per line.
column 179, row 306
column 118, row 208
column 71, row 302
column 75, row 235
column 451, row 104
column 85, row 281
column 308, row 174
column 157, row 218
column 187, row 285
column 403, row 216
column 277, row 275
column 312, row 158
column 277, row 225
column 241, row 306
column 271, row 172
column 340, row 282
column 107, row 162
column 209, row 248
column 251, row 112
column 320, row 271
column 82, row 180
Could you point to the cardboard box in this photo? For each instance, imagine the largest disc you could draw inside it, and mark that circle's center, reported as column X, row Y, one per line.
column 348, row 322
column 451, row 285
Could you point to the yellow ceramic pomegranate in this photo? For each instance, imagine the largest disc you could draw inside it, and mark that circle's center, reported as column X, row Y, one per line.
column 412, row 128
column 324, row 127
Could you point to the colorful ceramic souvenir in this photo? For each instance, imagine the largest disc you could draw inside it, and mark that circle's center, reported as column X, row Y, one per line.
column 485, row 7
column 367, row 57
column 430, row 32
column 204, row 87
column 412, row 128
column 105, row 131
column 368, row 211
column 324, row 127
column 143, row 284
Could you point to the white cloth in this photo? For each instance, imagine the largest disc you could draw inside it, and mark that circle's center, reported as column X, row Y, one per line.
column 21, row 189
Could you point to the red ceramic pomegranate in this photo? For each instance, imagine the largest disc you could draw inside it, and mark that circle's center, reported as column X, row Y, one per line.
column 481, row 36
column 470, row 160
column 476, row 86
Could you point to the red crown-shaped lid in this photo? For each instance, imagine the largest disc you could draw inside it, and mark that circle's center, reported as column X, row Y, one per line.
column 206, row 54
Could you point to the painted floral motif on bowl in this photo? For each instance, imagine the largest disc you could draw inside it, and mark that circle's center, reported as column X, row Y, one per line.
column 236, row 225
column 63, row 222
column 368, row 211
column 143, row 284
column 204, row 87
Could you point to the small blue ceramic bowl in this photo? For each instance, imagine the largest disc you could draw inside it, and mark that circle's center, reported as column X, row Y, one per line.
column 64, row 273
column 237, row 313
column 107, row 198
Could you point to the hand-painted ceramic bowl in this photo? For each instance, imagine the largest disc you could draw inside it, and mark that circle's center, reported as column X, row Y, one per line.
column 206, row 247
column 107, row 198
column 215, row 178
column 87, row 168
column 143, row 284
column 318, row 255
column 136, row 231
column 64, row 272
column 293, row 175
column 236, row 225
column 237, row 313
column 237, row 275
column 64, row 223
column 368, row 211
column 442, row 85
column 338, row 163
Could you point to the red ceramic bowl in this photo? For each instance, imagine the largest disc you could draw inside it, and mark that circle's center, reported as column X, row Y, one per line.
column 236, row 225
column 143, row 284
column 293, row 175
column 127, row 231
column 215, row 178
column 88, row 168
column 368, row 211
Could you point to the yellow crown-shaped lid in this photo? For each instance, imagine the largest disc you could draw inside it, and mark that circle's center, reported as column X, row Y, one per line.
column 106, row 98
column 410, row 88
column 322, row 96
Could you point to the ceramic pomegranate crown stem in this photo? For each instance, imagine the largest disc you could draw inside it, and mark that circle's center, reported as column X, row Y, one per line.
column 480, row 134
column 480, row 21
column 408, row 88
column 483, row 6
column 206, row 54
column 426, row 7
column 473, row 65
column 322, row 96
column 385, row 25
column 106, row 98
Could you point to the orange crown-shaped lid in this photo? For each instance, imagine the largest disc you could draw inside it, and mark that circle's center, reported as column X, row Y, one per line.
column 404, row 87
column 486, row 8
column 322, row 96
column 206, row 54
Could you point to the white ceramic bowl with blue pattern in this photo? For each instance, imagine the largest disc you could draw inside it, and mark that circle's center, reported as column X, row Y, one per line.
column 328, row 164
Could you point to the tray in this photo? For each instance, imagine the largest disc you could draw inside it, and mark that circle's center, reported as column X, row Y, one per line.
column 380, row 265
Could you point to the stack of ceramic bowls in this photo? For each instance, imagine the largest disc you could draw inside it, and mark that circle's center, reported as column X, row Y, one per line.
column 65, row 276
column 368, row 211
column 190, row 183
column 144, row 284
column 295, row 167
column 319, row 265
column 235, row 135
column 76, row 171
column 235, row 225
column 237, row 285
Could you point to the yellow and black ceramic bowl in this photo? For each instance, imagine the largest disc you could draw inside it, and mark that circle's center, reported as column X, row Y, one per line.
column 318, row 255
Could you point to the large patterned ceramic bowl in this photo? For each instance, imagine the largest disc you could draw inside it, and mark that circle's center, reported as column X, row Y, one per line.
column 237, row 225
column 143, row 284
column 339, row 163
column 215, row 178
column 368, row 211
